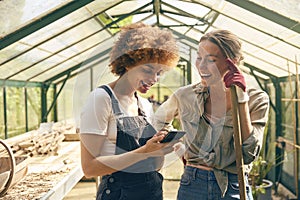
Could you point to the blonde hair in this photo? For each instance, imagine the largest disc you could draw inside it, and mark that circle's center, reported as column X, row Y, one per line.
column 228, row 42
column 138, row 44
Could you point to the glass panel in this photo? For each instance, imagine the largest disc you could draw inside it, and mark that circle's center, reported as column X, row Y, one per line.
column 265, row 66
column 196, row 35
column 39, row 68
column 84, row 83
column 15, row 107
column 192, row 45
column 17, row 13
column 34, row 38
column 72, row 36
column 166, row 21
column 180, row 29
column 193, row 8
column 271, row 49
column 183, row 19
column 34, row 107
column 48, row 73
column 264, row 32
column 94, row 40
column 126, row 7
column 249, row 75
column 10, row 51
column 268, row 57
column 150, row 20
column 81, row 90
column 215, row 4
column 64, row 102
column 140, row 17
column 70, row 63
column 22, row 62
column 99, row 5
column 285, row 50
column 57, row 27
column 289, row 8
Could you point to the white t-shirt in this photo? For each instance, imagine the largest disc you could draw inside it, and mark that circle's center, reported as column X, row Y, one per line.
column 97, row 117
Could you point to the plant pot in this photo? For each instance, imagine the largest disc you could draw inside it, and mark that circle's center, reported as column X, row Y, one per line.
column 267, row 186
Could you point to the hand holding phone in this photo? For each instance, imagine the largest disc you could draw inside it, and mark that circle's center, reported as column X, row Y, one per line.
column 173, row 135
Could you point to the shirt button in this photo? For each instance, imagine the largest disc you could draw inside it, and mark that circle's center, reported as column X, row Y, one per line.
column 107, row 191
column 111, row 180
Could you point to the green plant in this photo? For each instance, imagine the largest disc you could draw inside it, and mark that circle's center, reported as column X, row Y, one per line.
column 262, row 165
column 260, row 169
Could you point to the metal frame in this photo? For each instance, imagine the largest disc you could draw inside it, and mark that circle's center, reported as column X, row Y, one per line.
column 41, row 22
column 157, row 11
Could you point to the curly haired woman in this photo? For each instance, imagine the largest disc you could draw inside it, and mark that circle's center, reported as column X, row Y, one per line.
column 118, row 141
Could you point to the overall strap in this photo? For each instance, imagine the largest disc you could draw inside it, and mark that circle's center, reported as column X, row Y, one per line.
column 140, row 111
column 114, row 101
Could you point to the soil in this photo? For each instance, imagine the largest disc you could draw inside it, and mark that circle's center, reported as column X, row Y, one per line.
column 35, row 185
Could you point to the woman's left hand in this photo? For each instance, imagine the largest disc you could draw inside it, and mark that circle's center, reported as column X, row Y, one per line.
column 234, row 76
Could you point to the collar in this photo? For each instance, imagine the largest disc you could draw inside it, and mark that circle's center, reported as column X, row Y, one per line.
column 201, row 90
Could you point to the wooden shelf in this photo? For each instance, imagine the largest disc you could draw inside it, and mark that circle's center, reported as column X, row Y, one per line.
column 55, row 175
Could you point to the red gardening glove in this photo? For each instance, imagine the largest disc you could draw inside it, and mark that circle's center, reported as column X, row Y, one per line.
column 234, row 76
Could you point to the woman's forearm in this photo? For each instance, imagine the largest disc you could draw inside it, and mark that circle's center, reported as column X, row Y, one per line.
column 245, row 121
column 103, row 165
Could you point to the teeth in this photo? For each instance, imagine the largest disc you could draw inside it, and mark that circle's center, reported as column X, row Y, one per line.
column 205, row 75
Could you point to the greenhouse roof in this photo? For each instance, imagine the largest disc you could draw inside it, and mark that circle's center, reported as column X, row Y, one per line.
column 46, row 41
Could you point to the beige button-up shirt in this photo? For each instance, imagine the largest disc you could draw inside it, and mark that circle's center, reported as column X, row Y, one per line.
column 212, row 144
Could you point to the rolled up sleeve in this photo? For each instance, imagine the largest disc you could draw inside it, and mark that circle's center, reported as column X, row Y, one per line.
column 259, row 111
column 252, row 145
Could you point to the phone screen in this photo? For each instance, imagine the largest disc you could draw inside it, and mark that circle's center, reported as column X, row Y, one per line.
column 173, row 135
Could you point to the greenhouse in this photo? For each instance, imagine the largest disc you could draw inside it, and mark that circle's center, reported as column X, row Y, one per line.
column 53, row 53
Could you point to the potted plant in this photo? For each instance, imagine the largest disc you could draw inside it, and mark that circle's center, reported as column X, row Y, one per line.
column 260, row 185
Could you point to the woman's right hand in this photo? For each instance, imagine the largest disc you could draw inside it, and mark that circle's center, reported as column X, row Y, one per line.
column 154, row 148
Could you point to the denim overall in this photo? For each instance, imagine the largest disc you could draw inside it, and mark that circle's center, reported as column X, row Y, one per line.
column 139, row 181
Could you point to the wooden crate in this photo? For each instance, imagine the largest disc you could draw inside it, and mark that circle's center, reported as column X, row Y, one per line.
column 12, row 169
column 20, row 171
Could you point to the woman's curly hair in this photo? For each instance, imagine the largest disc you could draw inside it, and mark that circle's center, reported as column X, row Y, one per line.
column 138, row 44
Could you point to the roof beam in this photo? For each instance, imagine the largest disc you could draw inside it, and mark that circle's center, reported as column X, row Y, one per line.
column 41, row 21
column 17, row 83
column 157, row 9
column 268, row 14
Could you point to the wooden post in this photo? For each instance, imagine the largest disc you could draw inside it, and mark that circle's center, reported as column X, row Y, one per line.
column 238, row 143
column 295, row 107
column 295, row 135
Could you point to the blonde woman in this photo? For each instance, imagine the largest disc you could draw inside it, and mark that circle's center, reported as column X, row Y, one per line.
column 204, row 110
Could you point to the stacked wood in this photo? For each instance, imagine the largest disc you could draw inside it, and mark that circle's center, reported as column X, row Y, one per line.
column 69, row 130
column 45, row 140
column 39, row 143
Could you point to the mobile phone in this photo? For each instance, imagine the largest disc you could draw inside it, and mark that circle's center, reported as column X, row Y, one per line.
column 173, row 135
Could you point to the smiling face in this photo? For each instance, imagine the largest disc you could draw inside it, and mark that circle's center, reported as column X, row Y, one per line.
column 142, row 77
column 211, row 63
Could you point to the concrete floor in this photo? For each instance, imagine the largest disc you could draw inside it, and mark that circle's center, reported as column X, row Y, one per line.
column 87, row 191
